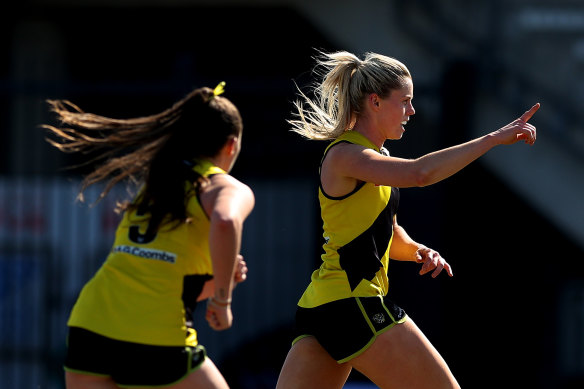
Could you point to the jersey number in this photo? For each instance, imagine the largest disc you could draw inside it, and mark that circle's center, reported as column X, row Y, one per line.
column 134, row 232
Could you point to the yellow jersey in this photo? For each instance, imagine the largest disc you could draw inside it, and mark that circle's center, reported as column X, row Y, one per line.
column 357, row 231
column 147, row 287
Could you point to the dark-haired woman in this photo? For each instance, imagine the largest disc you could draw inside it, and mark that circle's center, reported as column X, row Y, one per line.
column 178, row 243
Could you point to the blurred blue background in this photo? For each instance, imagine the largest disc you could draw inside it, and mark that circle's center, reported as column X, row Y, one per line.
column 511, row 225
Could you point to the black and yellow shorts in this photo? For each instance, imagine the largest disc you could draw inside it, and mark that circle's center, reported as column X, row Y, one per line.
column 130, row 364
column 346, row 328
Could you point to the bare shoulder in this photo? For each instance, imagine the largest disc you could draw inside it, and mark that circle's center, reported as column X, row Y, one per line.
column 347, row 153
column 226, row 192
column 343, row 158
column 343, row 148
column 336, row 177
column 227, row 181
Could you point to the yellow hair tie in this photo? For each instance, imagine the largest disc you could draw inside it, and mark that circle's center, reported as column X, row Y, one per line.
column 219, row 89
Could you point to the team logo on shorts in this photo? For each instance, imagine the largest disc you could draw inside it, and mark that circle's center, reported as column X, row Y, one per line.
column 378, row 318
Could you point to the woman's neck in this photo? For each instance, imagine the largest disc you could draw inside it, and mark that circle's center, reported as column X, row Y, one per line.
column 365, row 128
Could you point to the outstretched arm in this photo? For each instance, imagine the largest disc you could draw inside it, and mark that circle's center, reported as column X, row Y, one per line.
column 357, row 162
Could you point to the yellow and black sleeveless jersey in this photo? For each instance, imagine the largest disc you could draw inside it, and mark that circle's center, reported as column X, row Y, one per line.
column 358, row 230
column 147, row 288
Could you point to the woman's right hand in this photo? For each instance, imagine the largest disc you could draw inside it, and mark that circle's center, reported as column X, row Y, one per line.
column 518, row 129
column 219, row 314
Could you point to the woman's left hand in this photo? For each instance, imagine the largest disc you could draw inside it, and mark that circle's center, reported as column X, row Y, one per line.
column 240, row 274
column 432, row 260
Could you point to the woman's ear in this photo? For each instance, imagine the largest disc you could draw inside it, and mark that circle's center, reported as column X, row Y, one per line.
column 231, row 145
column 374, row 99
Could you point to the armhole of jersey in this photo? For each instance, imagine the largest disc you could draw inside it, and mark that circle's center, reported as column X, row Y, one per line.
column 394, row 199
column 357, row 187
column 198, row 194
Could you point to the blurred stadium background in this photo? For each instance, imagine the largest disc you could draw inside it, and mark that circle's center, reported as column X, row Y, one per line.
column 511, row 225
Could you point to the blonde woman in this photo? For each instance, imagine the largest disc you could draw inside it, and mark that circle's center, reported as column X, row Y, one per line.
column 344, row 319
column 178, row 243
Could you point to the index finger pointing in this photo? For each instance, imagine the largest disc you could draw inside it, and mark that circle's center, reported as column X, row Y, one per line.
column 528, row 114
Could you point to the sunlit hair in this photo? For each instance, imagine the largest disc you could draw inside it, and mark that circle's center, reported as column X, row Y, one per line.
column 153, row 152
column 338, row 98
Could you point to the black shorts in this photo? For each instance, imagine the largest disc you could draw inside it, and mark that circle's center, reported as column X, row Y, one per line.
column 130, row 364
column 345, row 328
